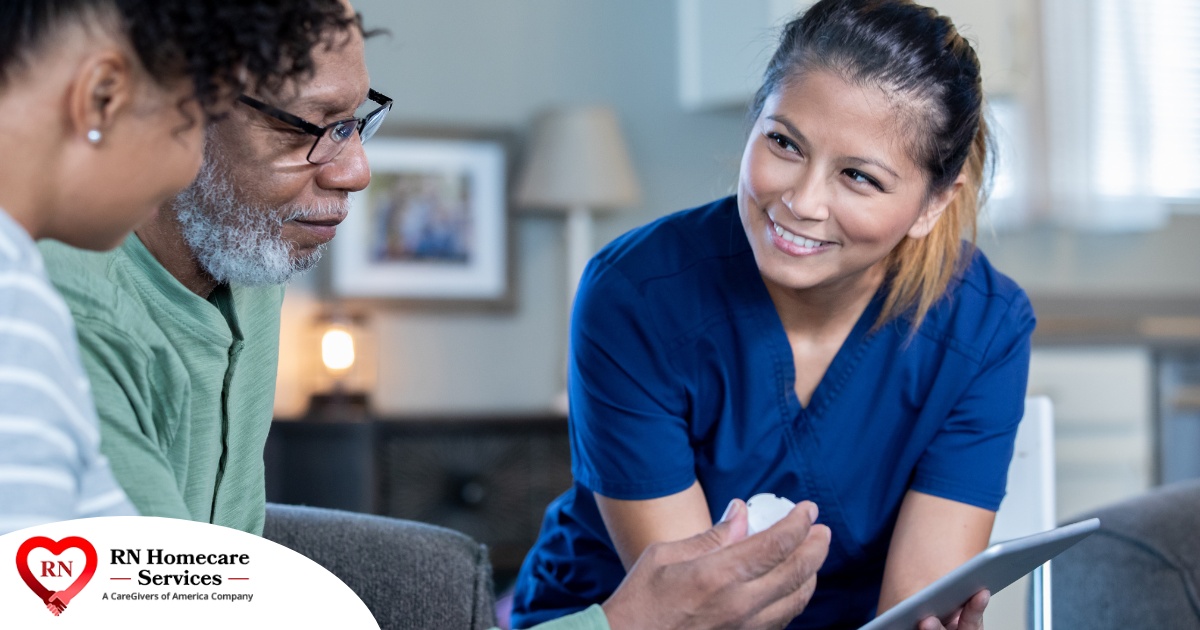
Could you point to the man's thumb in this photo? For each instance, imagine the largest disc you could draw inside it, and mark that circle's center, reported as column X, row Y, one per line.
column 732, row 528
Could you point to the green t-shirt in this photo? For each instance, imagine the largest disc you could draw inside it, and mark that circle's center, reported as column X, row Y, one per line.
column 591, row 618
column 184, row 386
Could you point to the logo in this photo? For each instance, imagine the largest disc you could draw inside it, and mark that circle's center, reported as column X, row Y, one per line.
column 56, row 572
column 128, row 571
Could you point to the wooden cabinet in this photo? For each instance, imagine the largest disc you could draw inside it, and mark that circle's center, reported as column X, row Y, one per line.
column 724, row 45
column 490, row 477
column 1103, row 415
column 1179, row 415
column 1103, row 411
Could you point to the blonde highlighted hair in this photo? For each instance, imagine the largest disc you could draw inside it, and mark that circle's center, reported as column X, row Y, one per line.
column 920, row 269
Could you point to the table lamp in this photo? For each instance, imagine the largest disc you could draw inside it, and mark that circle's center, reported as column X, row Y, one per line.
column 344, row 378
column 577, row 164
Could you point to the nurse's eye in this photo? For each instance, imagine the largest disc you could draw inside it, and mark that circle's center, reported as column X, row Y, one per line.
column 862, row 179
column 782, row 142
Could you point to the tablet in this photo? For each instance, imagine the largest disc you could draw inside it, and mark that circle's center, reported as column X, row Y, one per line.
column 993, row 569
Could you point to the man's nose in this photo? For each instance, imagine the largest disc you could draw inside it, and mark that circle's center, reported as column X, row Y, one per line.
column 348, row 171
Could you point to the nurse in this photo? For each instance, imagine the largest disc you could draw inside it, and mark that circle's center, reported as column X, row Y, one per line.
column 824, row 335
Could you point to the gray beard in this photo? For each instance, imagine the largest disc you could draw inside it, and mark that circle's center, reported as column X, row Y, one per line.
column 237, row 242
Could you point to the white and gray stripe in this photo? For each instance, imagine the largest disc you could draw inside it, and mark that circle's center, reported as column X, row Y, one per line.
column 51, row 468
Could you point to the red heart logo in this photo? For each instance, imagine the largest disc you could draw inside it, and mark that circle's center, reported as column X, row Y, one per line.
column 56, row 601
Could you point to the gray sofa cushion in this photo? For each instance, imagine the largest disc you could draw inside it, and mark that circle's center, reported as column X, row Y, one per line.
column 1141, row 570
column 410, row 575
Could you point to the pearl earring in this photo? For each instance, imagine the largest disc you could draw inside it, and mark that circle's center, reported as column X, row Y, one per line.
column 94, row 136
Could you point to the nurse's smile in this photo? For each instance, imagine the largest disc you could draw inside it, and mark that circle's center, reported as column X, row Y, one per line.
column 794, row 244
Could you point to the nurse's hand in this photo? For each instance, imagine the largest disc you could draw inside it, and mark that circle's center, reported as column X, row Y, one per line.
column 722, row 579
column 969, row 617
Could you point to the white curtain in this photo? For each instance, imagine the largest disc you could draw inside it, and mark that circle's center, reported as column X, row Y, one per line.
column 1122, row 110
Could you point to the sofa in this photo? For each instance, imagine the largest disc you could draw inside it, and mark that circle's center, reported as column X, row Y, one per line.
column 1140, row 570
column 410, row 575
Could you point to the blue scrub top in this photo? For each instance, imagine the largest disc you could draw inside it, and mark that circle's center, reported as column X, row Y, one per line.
column 681, row 370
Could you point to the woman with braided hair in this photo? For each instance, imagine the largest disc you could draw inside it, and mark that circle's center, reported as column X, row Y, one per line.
column 825, row 334
column 103, row 105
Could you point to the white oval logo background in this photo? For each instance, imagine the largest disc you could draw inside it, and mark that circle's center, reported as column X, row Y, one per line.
column 275, row 588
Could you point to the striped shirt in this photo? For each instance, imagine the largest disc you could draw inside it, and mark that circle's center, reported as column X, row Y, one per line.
column 51, row 468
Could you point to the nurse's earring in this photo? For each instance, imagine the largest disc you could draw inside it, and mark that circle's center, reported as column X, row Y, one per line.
column 94, row 136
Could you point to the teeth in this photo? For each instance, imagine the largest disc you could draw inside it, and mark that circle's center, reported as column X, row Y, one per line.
column 799, row 240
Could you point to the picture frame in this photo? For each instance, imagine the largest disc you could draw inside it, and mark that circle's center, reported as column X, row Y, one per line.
column 432, row 227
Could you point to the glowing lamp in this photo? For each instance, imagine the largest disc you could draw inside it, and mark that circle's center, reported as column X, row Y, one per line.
column 345, row 374
column 337, row 350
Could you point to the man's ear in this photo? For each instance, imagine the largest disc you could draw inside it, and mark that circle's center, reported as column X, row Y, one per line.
column 934, row 209
column 101, row 89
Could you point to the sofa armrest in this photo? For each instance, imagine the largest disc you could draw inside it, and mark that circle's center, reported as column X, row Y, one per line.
column 410, row 575
column 1141, row 570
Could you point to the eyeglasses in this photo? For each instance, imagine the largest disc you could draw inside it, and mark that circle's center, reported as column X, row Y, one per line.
column 332, row 138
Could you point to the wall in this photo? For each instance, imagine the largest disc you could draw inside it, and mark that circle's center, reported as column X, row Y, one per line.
column 481, row 64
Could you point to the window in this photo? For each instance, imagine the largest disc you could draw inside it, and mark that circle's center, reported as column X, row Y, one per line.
column 1122, row 110
column 1147, row 97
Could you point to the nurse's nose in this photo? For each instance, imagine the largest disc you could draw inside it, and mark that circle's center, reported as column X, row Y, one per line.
column 808, row 198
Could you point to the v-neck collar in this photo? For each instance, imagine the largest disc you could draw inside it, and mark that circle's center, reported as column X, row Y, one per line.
column 847, row 357
column 839, row 370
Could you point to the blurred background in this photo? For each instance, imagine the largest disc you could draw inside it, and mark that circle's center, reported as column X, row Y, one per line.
column 443, row 405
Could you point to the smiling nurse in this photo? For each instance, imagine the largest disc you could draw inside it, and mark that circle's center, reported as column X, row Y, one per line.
column 825, row 335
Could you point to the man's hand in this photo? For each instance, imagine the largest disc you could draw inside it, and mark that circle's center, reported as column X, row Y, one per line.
column 722, row 579
column 969, row 617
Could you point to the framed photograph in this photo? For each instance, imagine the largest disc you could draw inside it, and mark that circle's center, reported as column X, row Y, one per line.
column 431, row 226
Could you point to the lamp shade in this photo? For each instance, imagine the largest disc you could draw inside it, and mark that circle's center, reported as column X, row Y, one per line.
column 577, row 158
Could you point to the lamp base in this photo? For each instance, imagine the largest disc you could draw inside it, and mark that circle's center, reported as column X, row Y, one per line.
column 561, row 405
column 338, row 407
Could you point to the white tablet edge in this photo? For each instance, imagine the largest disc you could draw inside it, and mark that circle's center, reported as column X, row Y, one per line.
column 993, row 569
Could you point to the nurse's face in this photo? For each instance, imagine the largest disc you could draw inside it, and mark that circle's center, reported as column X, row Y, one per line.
column 827, row 188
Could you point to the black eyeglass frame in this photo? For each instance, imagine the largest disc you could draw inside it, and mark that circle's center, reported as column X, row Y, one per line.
column 385, row 105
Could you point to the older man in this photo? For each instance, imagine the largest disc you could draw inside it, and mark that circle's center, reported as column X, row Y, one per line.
column 179, row 326
column 179, row 329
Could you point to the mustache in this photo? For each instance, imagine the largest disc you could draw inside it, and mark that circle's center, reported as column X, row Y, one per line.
column 322, row 209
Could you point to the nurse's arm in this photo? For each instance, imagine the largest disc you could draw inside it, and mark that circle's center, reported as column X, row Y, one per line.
column 635, row 525
column 721, row 578
column 932, row 537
